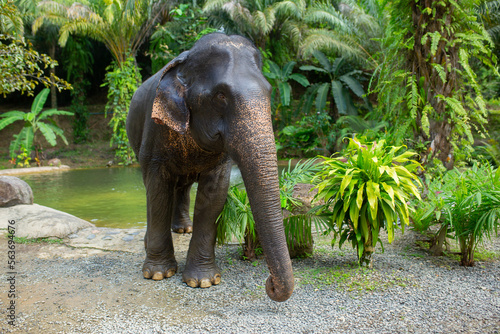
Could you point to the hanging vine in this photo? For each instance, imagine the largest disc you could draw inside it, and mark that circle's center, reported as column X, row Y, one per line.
column 426, row 83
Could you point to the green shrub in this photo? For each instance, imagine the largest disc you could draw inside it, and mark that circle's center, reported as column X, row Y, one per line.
column 236, row 220
column 467, row 205
column 365, row 190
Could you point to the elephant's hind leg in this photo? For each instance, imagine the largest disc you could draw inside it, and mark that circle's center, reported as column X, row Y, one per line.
column 160, row 259
column 181, row 222
column 201, row 270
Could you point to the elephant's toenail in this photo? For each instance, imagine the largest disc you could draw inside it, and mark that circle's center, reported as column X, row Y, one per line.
column 217, row 279
column 158, row 276
column 191, row 283
column 146, row 274
column 169, row 273
column 205, row 283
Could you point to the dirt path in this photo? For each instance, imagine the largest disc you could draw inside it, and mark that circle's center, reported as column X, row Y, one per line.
column 77, row 287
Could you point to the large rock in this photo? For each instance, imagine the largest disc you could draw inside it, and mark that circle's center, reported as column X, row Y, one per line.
column 14, row 191
column 37, row 221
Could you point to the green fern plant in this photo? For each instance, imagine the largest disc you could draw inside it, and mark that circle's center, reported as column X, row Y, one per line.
column 365, row 190
column 425, row 84
column 236, row 223
column 34, row 122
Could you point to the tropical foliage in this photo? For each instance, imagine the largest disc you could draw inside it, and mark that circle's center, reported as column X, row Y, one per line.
column 122, row 83
column 186, row 24
column 236, row 222
column 426, row 85
column 349, row 29
column 21, row 67
column 78, row 61
column 262, row 21
column 34, row 122
column 338, row 84
column 466, row 206
column 122, row 25
column 365, row 190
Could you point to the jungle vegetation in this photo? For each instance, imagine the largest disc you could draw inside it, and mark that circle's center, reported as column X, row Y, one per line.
column 414, row 77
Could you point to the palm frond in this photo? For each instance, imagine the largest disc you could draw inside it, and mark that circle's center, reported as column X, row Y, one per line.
column 331, row 42
column 290, row 9
column 327, row 14
column 323, row 60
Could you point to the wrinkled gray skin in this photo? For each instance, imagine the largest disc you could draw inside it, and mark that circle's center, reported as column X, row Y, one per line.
column 207, row 107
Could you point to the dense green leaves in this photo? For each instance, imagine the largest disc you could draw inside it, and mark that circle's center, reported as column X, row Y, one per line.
column 26, row 139
column 426, row 85
column 236, row 222
column 339, row 85
column 122, row 25
column 365, row 190
column 279, row 77
column 466, row 205
column 122, row 83
column 22, row 68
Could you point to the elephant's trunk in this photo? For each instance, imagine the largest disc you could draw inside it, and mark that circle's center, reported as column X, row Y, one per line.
column 252, row 147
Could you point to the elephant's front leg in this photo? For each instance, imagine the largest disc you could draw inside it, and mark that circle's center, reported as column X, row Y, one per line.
column 160, row 260
column 201, row 270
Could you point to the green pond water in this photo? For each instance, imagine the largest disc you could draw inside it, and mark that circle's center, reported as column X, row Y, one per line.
column 107, row 197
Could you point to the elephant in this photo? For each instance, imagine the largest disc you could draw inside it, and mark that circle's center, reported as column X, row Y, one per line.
column 207, row 108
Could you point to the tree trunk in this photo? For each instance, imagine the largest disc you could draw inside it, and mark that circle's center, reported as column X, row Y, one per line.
column 438, row 242
column 250, row 247
column 368, row 250
column 422, row 62
column 467, row 249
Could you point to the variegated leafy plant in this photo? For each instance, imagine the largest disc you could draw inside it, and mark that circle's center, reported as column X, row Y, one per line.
column 365, row 190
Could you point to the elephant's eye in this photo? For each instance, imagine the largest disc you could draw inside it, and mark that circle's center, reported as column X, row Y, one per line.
column 221, row 97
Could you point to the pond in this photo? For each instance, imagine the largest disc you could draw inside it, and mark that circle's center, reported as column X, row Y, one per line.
column 107, row 197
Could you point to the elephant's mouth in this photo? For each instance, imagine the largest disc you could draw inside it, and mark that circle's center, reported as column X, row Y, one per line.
column 213, row 144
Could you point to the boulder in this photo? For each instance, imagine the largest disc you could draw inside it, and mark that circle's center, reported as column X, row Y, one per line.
column 14, row 191
column 37, row 221
column 54, row 162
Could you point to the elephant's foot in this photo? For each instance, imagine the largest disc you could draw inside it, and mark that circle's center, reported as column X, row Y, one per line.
column 158, row 271
column 182, row 226
column 201, row 278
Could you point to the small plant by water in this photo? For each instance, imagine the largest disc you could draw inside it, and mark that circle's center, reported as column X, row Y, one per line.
column 35, row 122
column 365, row 190
column 29, row 241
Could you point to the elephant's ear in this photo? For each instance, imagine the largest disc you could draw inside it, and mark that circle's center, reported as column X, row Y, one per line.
column 169, row 106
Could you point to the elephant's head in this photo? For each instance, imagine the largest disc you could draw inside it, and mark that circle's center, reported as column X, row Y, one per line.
column 217, row 94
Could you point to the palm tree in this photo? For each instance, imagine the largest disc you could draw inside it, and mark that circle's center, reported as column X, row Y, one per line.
column 262, row 21
column 122, row 25
column 347, row 30
column 46, row 37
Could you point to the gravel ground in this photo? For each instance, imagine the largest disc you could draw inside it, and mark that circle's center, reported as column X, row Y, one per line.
column 77, row 290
